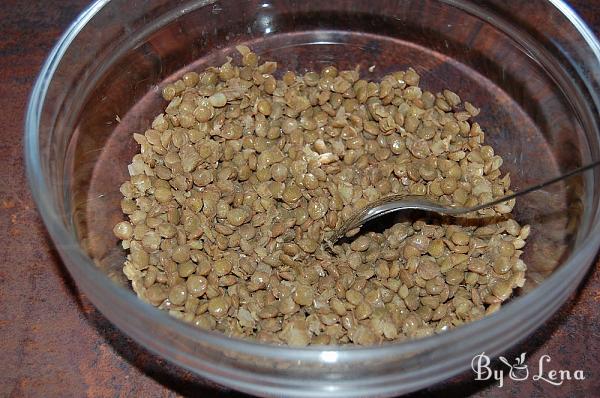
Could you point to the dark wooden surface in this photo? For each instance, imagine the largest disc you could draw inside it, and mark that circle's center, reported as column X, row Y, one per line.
column 53, row 342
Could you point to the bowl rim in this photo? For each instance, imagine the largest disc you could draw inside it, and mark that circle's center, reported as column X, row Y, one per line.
column 66, row 241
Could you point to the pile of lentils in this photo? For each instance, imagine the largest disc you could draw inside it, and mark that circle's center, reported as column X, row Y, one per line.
column 242, row 178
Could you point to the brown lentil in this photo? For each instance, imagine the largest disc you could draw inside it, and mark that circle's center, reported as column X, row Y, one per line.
column 243, row 177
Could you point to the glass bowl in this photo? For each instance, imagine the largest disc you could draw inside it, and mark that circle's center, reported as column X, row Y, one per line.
column 532, row 66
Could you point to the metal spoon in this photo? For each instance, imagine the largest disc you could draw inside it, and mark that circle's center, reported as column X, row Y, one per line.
column 392, row 203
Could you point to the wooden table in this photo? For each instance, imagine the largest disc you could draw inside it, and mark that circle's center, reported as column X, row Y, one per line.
column 53, row 342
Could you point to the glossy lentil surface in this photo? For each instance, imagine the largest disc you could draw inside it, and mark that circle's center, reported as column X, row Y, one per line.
column 290, row 160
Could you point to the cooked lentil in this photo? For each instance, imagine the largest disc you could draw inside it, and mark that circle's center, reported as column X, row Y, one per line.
column 239, row 182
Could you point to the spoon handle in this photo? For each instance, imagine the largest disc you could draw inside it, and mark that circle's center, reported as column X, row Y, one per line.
column 536, row 186
column 388, row 204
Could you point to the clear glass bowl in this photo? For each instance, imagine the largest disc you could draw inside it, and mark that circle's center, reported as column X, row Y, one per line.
column 532, row 66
